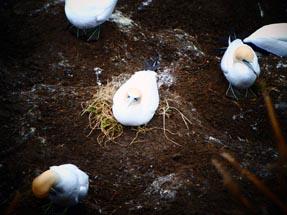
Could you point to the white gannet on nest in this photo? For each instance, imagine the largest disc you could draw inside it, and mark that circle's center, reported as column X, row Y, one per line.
column 137, row 100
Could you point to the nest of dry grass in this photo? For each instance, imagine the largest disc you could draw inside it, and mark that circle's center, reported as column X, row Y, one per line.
column 99, row 109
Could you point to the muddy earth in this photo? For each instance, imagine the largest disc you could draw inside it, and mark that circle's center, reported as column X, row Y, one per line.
column 47, row 74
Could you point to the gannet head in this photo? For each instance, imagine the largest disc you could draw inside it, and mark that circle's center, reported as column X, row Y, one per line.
column 245, row 54
column 134, row 96
column 43, row 183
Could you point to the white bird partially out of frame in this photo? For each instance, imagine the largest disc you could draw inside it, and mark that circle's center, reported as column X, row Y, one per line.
column 271, row 38
column 89, row 14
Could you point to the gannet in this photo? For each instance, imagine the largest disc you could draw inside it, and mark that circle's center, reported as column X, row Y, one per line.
column 271, row 38
column 89, row 14
column 240, row 66
column 136, row 101
column 65, row 185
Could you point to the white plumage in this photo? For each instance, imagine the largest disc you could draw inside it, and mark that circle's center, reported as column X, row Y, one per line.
column 240, row 66
column 271, row 38
column 136, row 101
column 86, row 14
column 65, row 185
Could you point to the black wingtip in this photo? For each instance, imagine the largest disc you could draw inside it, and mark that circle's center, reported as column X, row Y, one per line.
column 219, row 50
column 153, row 65
column 232, row 36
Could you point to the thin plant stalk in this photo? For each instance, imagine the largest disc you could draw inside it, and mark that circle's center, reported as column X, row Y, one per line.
column 260, row 186
column 232, row 185
column 282, row 149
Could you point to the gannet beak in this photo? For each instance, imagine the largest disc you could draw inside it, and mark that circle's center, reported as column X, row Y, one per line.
column 247, row 63
column 130, row 101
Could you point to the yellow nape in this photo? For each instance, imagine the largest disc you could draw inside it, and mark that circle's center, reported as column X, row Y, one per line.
column 134, row 92
column 244, row 52
column 42, row 184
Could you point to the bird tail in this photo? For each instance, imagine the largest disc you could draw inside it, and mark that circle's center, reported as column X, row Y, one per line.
column 152, row 65
column 232, row 36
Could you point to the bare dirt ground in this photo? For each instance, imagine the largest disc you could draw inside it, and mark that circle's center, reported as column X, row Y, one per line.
column 47, row 73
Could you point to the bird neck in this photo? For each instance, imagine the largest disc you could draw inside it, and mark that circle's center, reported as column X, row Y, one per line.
column 42, row 184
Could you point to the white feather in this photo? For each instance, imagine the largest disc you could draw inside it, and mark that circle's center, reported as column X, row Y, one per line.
column 72, row 186
column 85, row 14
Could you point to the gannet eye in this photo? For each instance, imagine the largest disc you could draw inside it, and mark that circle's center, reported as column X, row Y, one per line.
column 136, row 99
column 129, row 96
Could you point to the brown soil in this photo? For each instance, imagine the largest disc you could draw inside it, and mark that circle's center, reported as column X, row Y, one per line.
column 47, row 73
